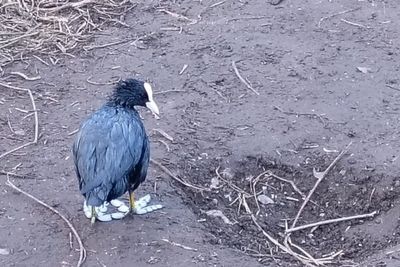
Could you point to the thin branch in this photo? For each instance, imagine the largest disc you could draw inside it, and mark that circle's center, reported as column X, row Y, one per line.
column 70, row 5
column 392, row 87
column 178, row 245
column 167, row 171
column 168, row 91
column 279, row 245
column 19, row 176
column 242, row 79
column 36, row 136
column 336, row 14
column 294, row 229
column 82, row 250
column 320, row 176
column 103, row 83
column 88, row 48
column 353, row 23
column 269, row 173
column 24, row 76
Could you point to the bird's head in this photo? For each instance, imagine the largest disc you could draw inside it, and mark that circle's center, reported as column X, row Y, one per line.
column 131, row 92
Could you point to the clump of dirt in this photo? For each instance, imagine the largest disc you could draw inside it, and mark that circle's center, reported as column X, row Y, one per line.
column 342, row 193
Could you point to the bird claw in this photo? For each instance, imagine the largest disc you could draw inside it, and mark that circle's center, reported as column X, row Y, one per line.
column 123, row 210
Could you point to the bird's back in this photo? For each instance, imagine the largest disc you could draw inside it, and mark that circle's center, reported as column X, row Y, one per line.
column 111, row 154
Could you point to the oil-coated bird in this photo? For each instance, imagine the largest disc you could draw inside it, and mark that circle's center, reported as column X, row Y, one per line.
column 111, row 153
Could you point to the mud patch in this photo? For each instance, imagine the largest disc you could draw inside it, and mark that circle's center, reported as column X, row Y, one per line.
column 342, row 193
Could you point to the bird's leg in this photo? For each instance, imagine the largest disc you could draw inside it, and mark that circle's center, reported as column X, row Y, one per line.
column 131, row 201
column 93, row 219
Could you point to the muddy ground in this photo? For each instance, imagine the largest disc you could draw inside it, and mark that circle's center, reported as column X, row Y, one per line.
column 327, row 74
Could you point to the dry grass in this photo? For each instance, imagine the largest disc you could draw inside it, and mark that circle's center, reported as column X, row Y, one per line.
column 48, row 28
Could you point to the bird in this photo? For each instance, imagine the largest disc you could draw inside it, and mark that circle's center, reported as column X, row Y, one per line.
column 111, row 152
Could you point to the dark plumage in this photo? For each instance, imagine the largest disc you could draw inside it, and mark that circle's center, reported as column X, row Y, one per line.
column 111, row 150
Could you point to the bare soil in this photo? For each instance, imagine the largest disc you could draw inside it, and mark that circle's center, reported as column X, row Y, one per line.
column 327, row 74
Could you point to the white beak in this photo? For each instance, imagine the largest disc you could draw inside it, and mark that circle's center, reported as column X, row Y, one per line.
column 153, row 107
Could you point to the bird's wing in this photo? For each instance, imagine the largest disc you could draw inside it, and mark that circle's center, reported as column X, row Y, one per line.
column 107, row 148
column 138, row 176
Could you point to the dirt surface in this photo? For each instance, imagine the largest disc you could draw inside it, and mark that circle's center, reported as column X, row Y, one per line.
column 327, row 74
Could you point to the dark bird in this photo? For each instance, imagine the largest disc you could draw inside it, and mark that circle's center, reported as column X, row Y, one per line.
column 111, row 151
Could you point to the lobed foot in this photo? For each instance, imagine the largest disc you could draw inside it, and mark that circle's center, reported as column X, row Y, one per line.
column 100, row 212
column 121, row 209
column 142, row 208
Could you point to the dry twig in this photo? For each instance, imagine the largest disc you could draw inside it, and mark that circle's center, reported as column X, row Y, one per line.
column 20, row 74
column 178, row 245
column 183, row 69
column 353, row 23
column 337, row 14
column 242, row 79
column 319, row 116
column 82, row 250
column 295, row 188
column 178, row 16
column 294, row 229
column 19, row 176
column 320, row 176
column 92, row 47
column 231, row 185
column 392, row 87
column 168, row 91
column 36, row 134
column 73, row 132
column 279, row 245
column 167, row 171
column 103, row 83
column 163, row 133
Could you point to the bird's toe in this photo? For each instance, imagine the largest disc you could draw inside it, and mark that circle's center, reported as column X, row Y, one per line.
column 117, row 203
column 123, row 208
column 147, row 209
column 102, row 208
column 104, row 217
column 118, row 215
column 143, row 201
column 87, row 210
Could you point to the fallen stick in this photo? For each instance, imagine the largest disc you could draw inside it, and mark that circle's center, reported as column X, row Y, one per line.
column 69, row 5
column 336, row 14
column 279, row 245
column 242, row 79
column 88, row 48
column 178, row 245
column 36, row 135
column 20, row 74
column 271, row 174
column 168, row 91
column 167, row 171
column 294, row 229
column 3, row 172
column 320, row 176
column 353, row 23
column 82, row 250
